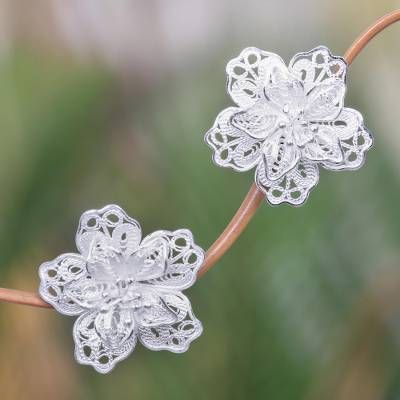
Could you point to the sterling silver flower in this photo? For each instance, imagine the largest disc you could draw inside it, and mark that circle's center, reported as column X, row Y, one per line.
column 124, row 288
column 289, row 120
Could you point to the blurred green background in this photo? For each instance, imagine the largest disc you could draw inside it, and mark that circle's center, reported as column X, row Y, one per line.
column 107, row 102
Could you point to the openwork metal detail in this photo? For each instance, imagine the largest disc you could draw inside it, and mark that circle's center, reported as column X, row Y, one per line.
column 289, row 121
column 124, row 288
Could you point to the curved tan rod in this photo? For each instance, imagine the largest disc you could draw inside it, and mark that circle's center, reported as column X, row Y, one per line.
column 251, row 202
column 233, row 230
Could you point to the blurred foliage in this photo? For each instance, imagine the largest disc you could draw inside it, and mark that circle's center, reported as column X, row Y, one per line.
column 51, row 118
column 280, row 310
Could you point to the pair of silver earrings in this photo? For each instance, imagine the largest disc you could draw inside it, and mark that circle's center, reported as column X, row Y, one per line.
column 288, row 121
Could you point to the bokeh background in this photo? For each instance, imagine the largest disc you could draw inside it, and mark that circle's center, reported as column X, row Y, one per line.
column 107, row 102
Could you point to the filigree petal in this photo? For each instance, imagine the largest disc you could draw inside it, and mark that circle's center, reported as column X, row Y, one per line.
column 168, row 308
column 354, row 149
column 258, row 121
column 114, row 326
column 292, row 188
column 324, row 146
column 325, row 101
column 149, row 261
column 233, row 148
column 314, row 66
column 279, row 155
column 248, row 74
column 347, row 123
column 91, row 349
column 54, row 275
column 285, row 91
column 184, row 259
column 175, row 337
column 90, row 293
column 119, row 232
column 105, row 238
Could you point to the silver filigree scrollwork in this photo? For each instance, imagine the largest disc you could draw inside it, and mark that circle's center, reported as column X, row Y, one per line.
column 289, row 120
column 124, row 288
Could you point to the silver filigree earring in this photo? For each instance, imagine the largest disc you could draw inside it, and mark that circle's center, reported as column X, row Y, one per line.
column 124, row 288
column 289, row 121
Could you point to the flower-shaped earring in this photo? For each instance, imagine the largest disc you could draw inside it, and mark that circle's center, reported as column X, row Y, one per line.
column 124, row 288
column 289, row 120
